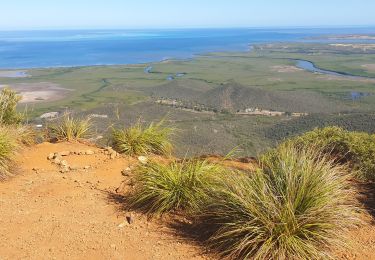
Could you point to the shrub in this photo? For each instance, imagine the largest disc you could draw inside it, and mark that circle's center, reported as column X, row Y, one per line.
column 8, row 145
column 295, row 207
column 8, row 104
column 70, row 128
column 137, row 140
column 354, row 148
column 160, row 188
column 25, row 135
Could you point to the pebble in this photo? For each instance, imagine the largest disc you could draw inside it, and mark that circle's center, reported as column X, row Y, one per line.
column 51, row 156
column 143, row 159
column 64, row 153
column 64, row 163
column 126, row 171
column 57, row 160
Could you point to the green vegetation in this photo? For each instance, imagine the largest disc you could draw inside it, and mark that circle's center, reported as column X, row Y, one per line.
column 13, row 134
column 293, row 208
column 265, row 77
column 137, row 140
column 357, row 149
column 69, row 128
column 8, row 145
column 362, row 122
column 161, row 188
column 8, row 103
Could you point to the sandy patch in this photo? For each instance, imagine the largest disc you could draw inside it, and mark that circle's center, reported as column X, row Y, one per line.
column 356, row 79
column 285, row 69
column 39, row 92
column 369, row 67
column 46, row 214
column 364, row 47
column 14, row 74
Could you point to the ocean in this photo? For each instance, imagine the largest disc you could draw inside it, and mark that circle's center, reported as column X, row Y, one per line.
column 65, row 48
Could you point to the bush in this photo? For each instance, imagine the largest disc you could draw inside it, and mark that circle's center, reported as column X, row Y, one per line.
column 295, row 207
column 70, row 128
column 8, row 145
column 137, row 140
column 356, row 149
column 8, row 104
column 160, row 188
column 25, row 135
column 13, row 137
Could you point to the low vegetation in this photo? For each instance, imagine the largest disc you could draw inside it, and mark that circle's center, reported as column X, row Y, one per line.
column 8, row 104
column 161, row 188
column 356, row 149
column 137, row 140
column 69, row 128
column 293, row 208
column 13, row 134
column 8, row 145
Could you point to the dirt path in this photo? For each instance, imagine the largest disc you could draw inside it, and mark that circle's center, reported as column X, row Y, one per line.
column 45, row 214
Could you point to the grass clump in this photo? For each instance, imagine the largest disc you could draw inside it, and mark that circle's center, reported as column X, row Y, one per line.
column 8, row 146
column 70, row 128
column 8, row 107
column 137, row 140
column 161, row 188
column 356, row 149
column 295, row 207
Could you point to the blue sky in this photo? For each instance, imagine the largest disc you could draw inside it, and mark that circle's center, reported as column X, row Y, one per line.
column 48, row 14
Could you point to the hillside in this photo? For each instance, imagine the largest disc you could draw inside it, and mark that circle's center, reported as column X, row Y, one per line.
column 46, row 214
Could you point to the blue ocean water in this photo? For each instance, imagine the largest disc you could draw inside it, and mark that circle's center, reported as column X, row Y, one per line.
column 36, row 49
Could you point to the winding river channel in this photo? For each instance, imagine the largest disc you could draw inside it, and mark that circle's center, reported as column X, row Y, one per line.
column 310, row 66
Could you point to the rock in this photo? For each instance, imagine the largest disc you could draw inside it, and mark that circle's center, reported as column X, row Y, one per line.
column 51, row 156
column 123, row 224
column 73, row 168
column 90, row 152
column 57, row 160
column 143, row 159
column 126, row 171
column 64, row 163
column 86, row 167
column 130, row 219
column 113, row 155
column 65, row 169
column 64, row 153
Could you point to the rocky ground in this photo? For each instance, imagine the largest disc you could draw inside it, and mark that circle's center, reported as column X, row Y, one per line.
column 63, row 205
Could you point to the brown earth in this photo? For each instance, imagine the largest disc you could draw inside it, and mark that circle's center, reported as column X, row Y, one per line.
column 46, row 214
column 369, row 67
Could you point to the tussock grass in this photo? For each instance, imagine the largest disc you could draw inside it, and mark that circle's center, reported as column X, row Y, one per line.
column 8, row 146
column 25, row 135
column 70, row 128
column 161, row 188
column 356, row 149
column 137, row 140
column 295, row 207
column 8, row 104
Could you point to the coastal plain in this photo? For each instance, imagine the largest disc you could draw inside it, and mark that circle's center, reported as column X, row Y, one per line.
column 212, row 97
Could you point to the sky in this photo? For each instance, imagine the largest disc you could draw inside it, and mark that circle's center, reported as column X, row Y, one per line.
column 137, row 14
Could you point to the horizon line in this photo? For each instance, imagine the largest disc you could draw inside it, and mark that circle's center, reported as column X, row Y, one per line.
column 190, row 28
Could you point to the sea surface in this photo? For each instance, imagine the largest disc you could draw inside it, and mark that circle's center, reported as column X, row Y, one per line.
column 39, row 49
